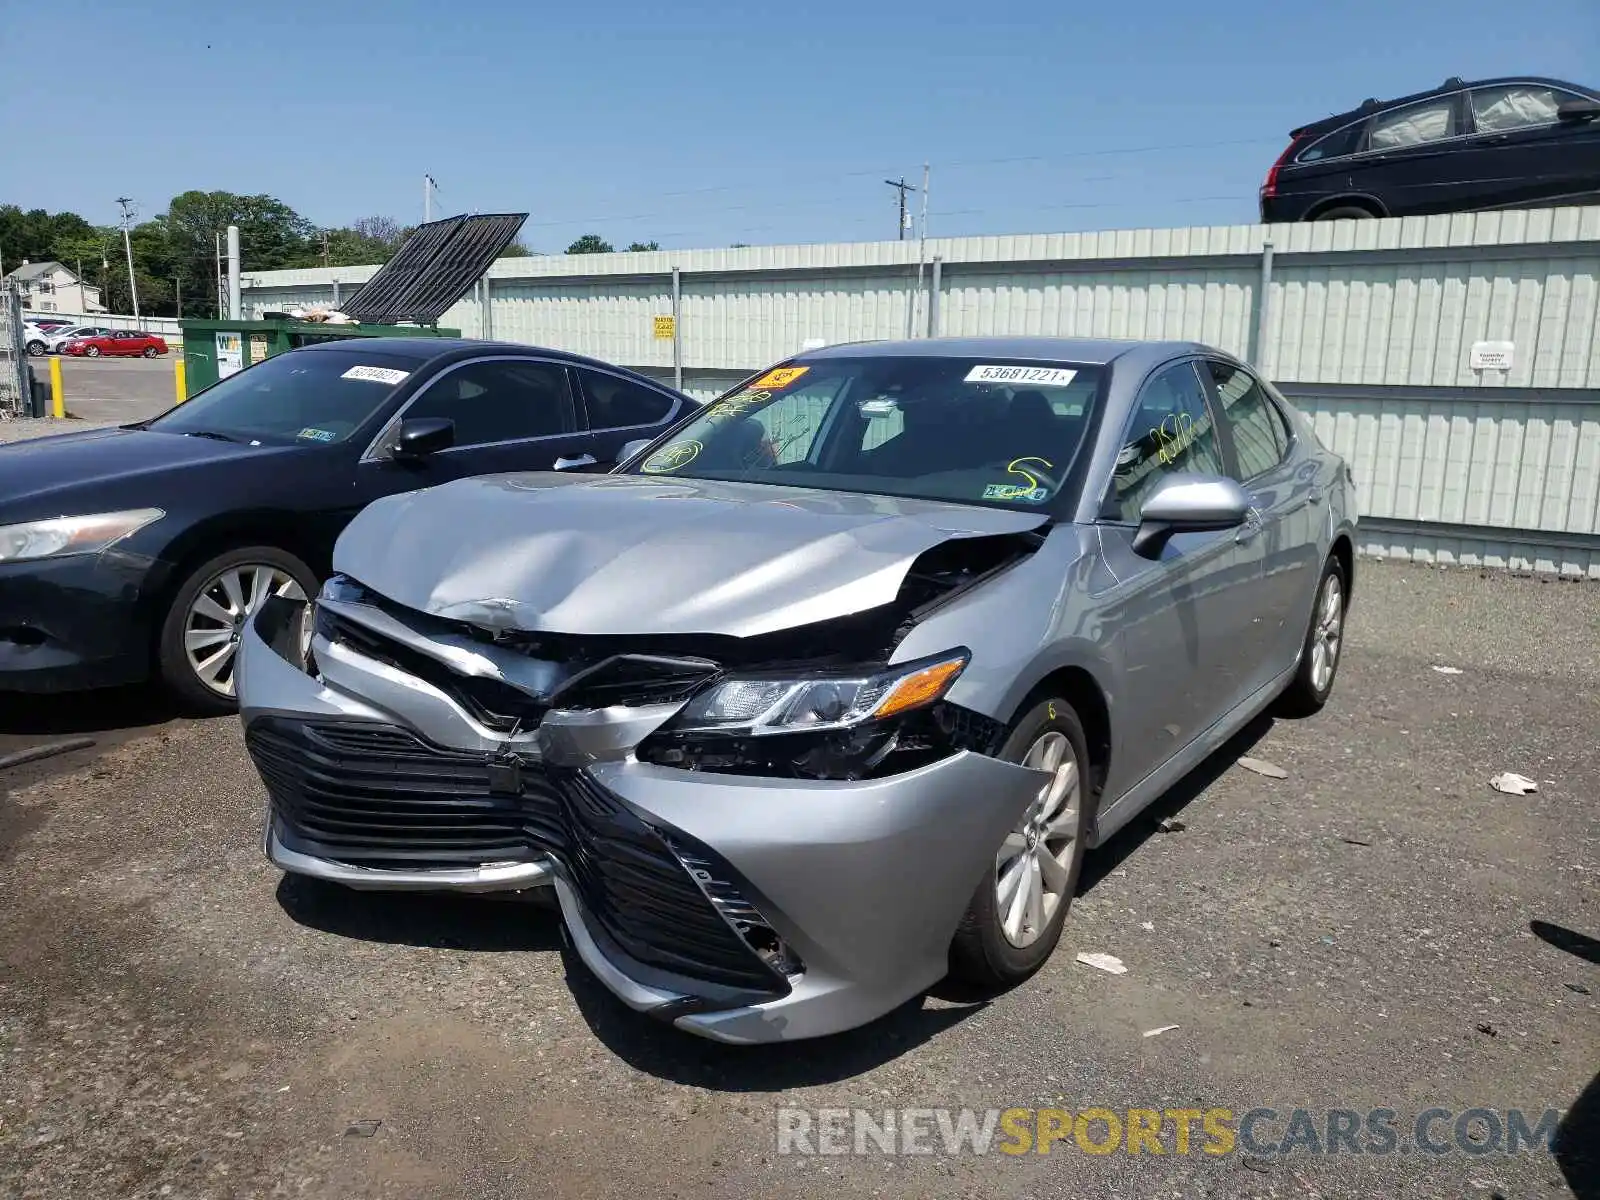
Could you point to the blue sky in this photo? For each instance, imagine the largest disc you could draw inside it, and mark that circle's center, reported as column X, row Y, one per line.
column 707, row 123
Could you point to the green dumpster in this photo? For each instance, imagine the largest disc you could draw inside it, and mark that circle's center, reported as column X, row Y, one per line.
column 213, row 349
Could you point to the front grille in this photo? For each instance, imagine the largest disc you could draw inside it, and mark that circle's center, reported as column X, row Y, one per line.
column 380, row 796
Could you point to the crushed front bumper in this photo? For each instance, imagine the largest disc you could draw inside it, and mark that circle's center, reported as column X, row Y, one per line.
column 741, row 909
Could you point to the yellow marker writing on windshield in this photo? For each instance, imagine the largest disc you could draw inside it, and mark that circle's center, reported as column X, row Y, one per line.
column 1015, row 468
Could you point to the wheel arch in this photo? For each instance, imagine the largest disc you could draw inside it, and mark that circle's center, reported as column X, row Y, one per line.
column 1078, row 686
column 1349, row 200
column 1343, row 551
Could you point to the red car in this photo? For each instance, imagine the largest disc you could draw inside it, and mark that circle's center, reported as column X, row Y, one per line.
column 118, row 341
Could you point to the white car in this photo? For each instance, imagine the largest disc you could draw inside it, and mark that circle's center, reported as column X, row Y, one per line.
column 35, row 337
column 56, row 338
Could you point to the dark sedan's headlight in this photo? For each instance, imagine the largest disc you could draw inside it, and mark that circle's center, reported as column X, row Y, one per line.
column 57, row 537
column 843, row 725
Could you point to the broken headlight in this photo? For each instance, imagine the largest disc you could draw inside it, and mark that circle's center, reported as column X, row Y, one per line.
column 841, row 725
column 761, row 706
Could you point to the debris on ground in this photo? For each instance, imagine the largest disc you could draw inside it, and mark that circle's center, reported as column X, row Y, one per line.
column 1350, row 841
column 1159, row 1030
column 1576, row 987
column 1485, row 1027
column 1262, row 767
column 1448, row 670
column 362, row 1128
column 1513, row 784
column 35, row 753
column 1150, row 927
column 1103, row 962
column 1170, row 825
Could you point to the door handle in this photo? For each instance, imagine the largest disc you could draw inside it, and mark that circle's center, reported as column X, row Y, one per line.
column 568, row 464
column 1251, row 527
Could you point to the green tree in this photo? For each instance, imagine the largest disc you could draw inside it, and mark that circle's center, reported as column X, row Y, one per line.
column 591, row 243
column 644, row 245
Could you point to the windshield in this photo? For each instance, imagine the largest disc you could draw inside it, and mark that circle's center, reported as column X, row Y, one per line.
column 314, row 397
column 968, row 430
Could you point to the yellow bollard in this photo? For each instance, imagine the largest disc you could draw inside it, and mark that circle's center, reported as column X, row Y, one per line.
column 178, row 378
column 58, row 402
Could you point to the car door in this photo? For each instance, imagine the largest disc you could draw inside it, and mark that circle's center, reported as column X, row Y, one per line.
column 125, row 343
column 618, row 409
column 1283, row 536
column 1525, row 152
column 1411, row 158
column 511, row 413
column 1177, row 615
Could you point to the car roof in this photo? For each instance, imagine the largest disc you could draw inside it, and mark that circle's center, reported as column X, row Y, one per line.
column 1087, row 351
column 1456, row 84
column 430, row 349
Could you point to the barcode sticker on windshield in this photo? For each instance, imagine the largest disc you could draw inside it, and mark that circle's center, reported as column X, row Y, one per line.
column 375, row 374
column 1036, row 376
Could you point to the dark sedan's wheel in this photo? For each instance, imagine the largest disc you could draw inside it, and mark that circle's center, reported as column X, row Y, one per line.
column 150, row 351
column 199, row 648
column 1312, row 684
column 93, row 351
column 36, row 348
column 1014, row 920
column 1347, row 212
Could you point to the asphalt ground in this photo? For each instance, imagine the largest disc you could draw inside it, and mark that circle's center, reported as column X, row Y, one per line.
column 114, row 390
column 1380, row 929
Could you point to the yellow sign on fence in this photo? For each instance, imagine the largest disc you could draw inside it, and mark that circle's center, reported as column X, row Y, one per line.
column 666, row 328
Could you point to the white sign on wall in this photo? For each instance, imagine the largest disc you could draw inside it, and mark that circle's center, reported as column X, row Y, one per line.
column 1492, row 356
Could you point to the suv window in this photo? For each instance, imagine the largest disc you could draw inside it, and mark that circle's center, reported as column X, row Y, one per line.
column 1260, row 437
column 499, row 400
column 1337, row 144
column 1429, row 121
column 1516, row 107
column 616, row 403
column 1171, row 432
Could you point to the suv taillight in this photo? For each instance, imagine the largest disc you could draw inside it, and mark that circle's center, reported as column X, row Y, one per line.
column 1269, row 186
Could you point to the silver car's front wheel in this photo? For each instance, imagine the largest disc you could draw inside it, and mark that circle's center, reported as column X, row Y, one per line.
column 1014, row 919
column 1327, row 633
column 1033, row 869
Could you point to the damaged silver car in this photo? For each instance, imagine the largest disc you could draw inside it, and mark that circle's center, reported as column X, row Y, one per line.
column 826, row 692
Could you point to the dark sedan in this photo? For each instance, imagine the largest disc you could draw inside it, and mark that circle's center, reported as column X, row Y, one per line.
column 1497, row 143
column 142, row 549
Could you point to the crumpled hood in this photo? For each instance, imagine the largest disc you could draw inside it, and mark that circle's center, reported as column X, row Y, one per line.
column 627, row 554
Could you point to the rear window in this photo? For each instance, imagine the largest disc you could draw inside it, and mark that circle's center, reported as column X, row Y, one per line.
column 1337, row 144
column 313, row 397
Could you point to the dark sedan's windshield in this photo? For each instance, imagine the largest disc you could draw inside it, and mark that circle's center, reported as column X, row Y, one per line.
column 311, row 397
column 973, row 431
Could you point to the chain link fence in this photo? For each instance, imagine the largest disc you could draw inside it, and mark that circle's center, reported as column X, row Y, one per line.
column 16, row 380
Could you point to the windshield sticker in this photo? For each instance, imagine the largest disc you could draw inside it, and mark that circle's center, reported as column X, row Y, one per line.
column 375, row 374
column 1016, row 491
column 317, row 435
column 780, row 378
column 1036, row 376
column 672, row 458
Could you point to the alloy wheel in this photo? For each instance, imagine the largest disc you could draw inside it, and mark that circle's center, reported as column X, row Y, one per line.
column 93, row 351
column 216, row 619
column 1033, row 868
column 1328, row 633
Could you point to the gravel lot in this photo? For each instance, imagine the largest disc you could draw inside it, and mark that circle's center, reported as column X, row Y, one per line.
column 1378, row 929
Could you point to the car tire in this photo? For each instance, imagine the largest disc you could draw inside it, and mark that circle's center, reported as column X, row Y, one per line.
column 215, row 634
column 93, row 351
column 150, row 351
column 36, row 348
column 1323, row 647
column 990, row 950
column 1347, row 212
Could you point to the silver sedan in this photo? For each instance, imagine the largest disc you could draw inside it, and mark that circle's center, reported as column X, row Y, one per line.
column 827, row 691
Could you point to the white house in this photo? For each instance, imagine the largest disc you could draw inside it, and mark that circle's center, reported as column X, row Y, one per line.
column 51, row 287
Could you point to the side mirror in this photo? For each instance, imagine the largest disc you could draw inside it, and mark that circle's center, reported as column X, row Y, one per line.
column 424, row 436
column 1578, row 110
column 632, row 448
column 1189, row 504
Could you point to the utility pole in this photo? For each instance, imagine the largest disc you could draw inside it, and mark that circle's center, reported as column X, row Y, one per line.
column 902, row 187
column 922, row 245
column 324, row 247
column 177, row 292
column 127, row 244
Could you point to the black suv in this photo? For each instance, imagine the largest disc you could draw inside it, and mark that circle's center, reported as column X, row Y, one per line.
column 1517, row 142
